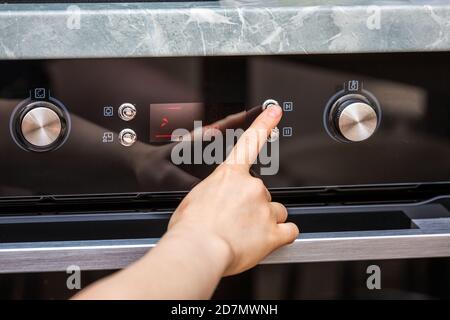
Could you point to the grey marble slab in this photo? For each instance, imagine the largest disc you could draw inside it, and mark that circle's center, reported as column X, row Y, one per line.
column 29, row 31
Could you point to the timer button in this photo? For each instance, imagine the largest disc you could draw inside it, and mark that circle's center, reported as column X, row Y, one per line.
column 127, row 137
column 127, row 111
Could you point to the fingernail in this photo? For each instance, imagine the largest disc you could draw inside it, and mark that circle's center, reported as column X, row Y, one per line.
column 274, row 111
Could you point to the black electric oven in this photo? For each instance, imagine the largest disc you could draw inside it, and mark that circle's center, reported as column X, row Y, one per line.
column 87, row 145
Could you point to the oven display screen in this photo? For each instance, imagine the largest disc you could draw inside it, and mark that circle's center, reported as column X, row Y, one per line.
column 165, row 118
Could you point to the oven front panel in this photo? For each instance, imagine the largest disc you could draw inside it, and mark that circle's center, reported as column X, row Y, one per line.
column 104, row 126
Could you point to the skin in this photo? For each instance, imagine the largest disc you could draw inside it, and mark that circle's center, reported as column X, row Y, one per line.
column 224, row 226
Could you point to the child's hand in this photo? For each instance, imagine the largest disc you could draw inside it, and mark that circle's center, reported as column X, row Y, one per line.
column 233, row 210
column 224, row 226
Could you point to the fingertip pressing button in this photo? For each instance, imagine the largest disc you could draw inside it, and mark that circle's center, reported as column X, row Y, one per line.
column 268, row 103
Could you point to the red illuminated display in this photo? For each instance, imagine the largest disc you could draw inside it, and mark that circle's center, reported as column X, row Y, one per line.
column 167, row 117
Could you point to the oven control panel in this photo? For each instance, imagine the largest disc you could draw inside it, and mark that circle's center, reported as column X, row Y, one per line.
column 111, row 127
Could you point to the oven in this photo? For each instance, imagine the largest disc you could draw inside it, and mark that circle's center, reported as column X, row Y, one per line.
column 91, row 169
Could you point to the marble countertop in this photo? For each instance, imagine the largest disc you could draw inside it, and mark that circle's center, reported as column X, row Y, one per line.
column 30, row 31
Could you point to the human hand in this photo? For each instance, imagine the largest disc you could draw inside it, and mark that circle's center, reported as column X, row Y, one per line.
column 233, row 208
column 224, row 226
column 152, row 164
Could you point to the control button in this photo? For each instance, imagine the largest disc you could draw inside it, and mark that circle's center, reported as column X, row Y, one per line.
column 287, row 132
column 288, row 106
column 353, row 118
column 127, row 137
column 127, row 111
column 268, row 103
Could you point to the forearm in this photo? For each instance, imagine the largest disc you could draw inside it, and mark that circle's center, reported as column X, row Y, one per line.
column 184, row 265
column 225, row 225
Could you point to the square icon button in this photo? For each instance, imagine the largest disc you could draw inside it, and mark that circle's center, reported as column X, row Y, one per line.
column 288, row 106
column 287, row 132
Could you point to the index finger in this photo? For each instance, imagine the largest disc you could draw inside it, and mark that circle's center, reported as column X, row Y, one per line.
column 246, row 150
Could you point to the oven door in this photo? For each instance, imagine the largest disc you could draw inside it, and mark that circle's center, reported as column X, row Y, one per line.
column 111, row 240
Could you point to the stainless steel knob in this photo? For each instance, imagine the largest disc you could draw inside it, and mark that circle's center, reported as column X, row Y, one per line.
column 352, row 117
column 127, row 111
column 41, row 126
column 357, row 121
column 127, row 137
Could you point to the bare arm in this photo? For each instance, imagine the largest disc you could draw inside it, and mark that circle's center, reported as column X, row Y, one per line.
column 224, row 226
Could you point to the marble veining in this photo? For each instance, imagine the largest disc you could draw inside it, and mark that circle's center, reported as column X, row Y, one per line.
column 30, row 31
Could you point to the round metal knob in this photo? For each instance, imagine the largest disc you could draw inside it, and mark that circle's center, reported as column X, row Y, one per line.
column 127, row 137
column 357, row 121
column 352, row 117
column 127, row 111
column 41, row 126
